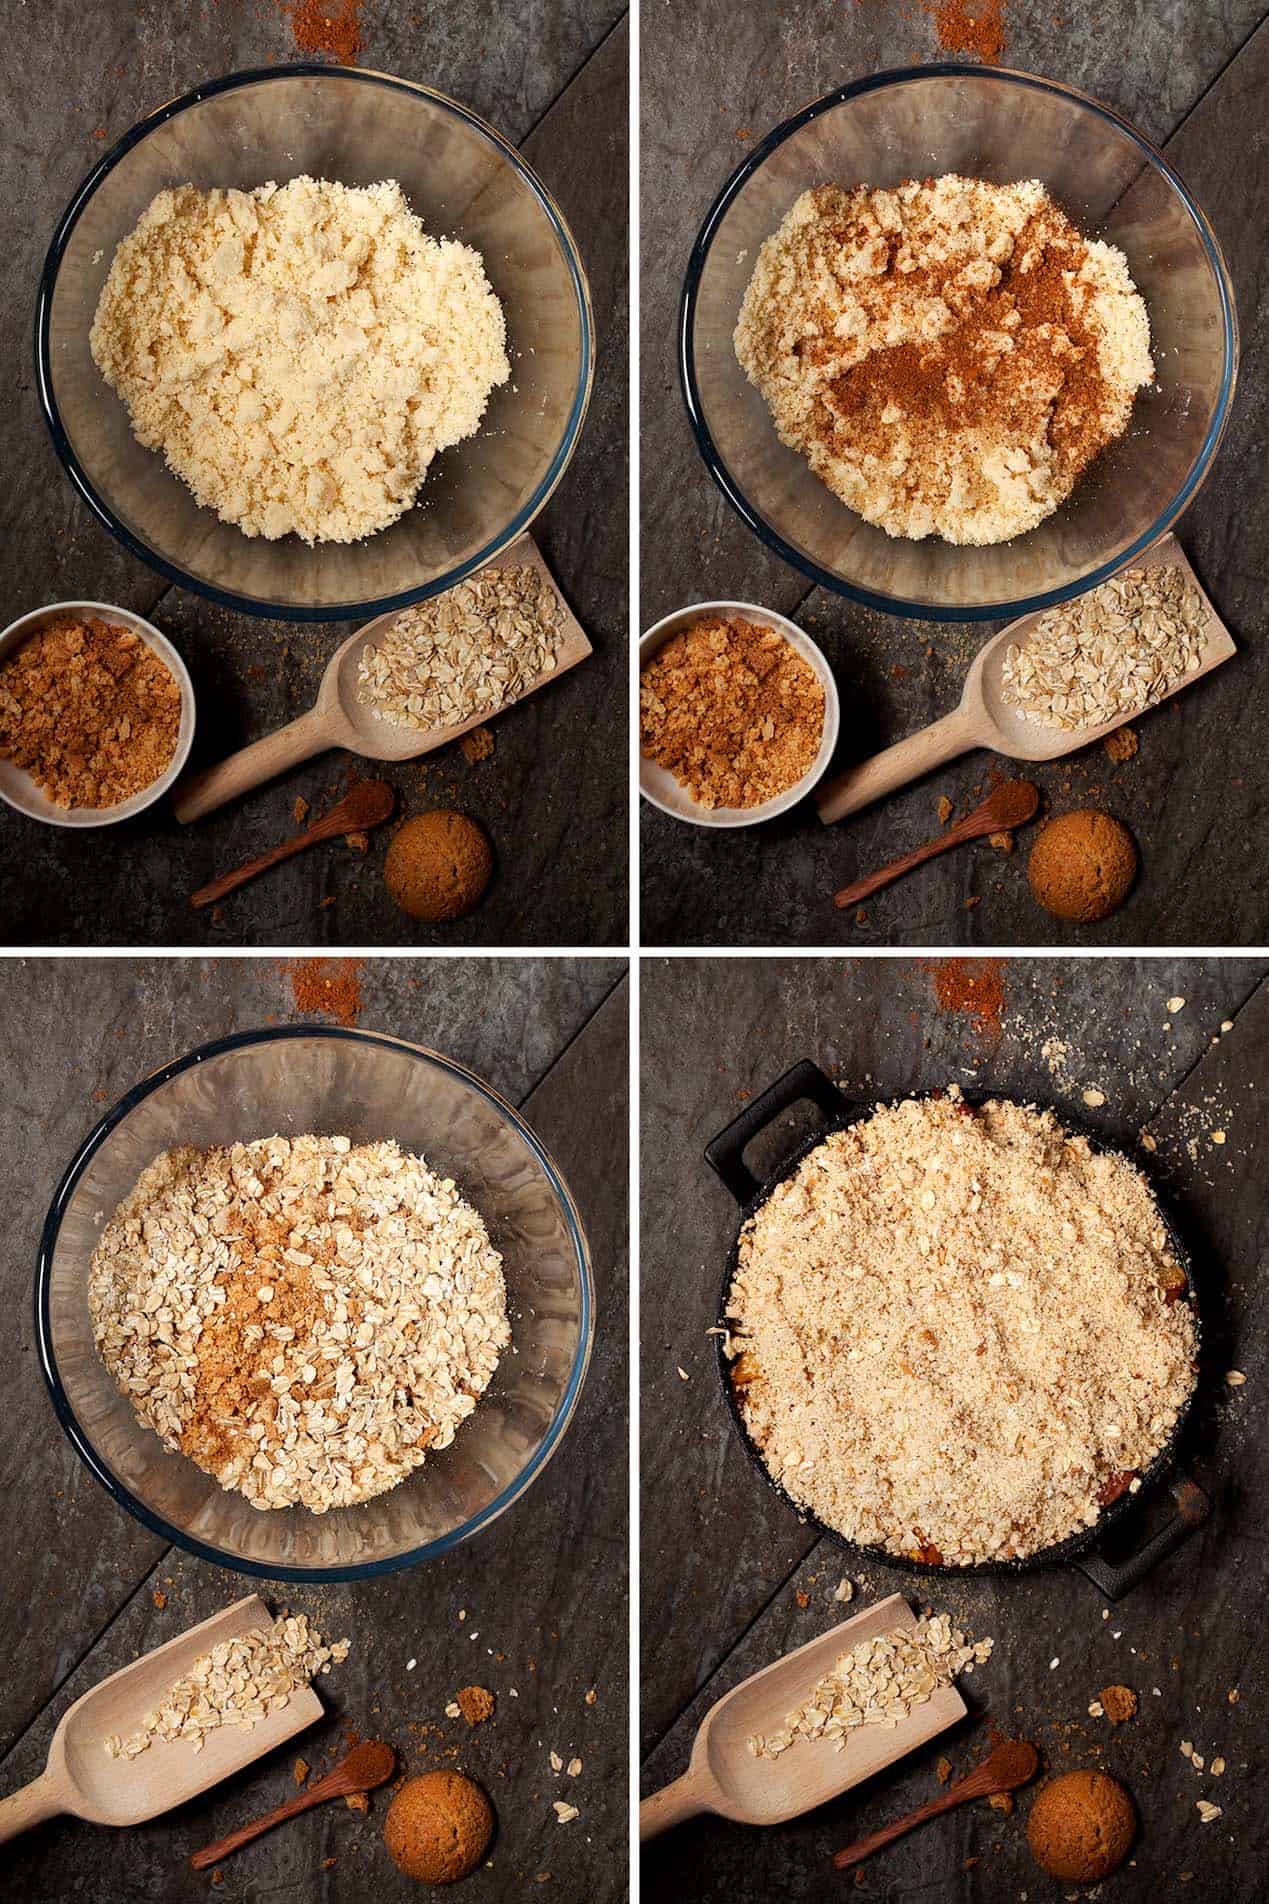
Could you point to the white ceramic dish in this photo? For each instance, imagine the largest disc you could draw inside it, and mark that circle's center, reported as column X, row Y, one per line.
column 18, row 789
column 658, row 785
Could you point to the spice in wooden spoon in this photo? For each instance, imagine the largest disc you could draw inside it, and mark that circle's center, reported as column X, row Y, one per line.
column 369, row 1764
column 1012, row 1763
column 369, row 804
column 1012, row 804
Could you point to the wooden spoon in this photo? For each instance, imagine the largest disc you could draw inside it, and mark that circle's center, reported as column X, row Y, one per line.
column 81, row 1778
column 726, row 1778
column 361, row 1770
column 369, row 804
column 985, row 719
column 338, row 719
column 1012, row 1763
column 1013, row 803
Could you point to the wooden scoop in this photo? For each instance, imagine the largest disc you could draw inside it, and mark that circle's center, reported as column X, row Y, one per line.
column 369, row 804
column 1012, row 804
column 81, row 1778
column 985, row 719
column 339, row 720
column 724, row 1776
column 1011, row 1764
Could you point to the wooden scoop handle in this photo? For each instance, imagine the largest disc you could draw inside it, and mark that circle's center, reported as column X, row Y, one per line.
column 682, row 1799
column 907, row 760
column 28, row 1806
column 974, row 1786
column 972, row 827
column 252, row 766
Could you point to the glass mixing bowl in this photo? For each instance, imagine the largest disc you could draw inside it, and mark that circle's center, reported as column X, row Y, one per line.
column 1000, row 126
column 360, row 1085
column 464, row 181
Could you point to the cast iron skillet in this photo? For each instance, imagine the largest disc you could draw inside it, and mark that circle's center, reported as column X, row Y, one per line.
column 1114, row 1577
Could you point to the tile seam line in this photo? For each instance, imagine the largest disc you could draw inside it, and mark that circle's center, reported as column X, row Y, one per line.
column 56, row 1691
column 622, row 978
column 821, row 1540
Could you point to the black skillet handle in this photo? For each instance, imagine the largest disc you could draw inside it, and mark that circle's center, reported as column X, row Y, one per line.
column 726, row 1155
column 1117, row 1577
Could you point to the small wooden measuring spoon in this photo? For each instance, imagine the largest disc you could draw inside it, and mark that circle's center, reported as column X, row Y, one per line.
column 81, row 1778
column 1012, row 804
column 724, row 1776
column 985, row 719
column 337, row 719
column 369, row 804
column 1012, row 1763
column 368, row 1765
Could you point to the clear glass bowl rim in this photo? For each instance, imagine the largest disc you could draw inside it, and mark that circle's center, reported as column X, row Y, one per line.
column 80, row 1441
column 893, row 604
column 249, row 604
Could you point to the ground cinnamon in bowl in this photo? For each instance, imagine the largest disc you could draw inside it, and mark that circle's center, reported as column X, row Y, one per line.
column 732, row 710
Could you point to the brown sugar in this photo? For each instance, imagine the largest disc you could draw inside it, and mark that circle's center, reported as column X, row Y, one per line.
column 732, row 711
column 438, row 1827
column 438, row 866
column 1082, row 866
column 475, row 1703
column 90, row 711
column 1118, row 1703
column 1081, row 1827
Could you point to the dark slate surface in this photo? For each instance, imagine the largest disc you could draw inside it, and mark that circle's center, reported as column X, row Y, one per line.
column 553, row 77
column 723, row 1561
column 1195, row 794
column 545, row 1587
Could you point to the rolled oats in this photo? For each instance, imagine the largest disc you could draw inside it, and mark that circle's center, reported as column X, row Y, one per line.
column 957, row 1335
column 468, row 652
column 238, row 1683
column 878, row 1682
column 1110, row 654
column 303, row 1317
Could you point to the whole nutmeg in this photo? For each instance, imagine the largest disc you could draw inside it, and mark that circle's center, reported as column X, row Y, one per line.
column 438, row 1827
column 438, row 865
column 1082, row 866
column 1081, row 1826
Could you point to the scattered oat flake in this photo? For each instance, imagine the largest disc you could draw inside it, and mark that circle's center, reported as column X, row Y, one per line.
column 1207, row 1812
column 1096, row 1709
column 575, row 1765
column 1053, row 1664
column 683, row 1374
column 1176, row 1004
column 453, row 1710
column 1217, row 1768
column 1094, row 1098
column 1148, row 1142
column 557, row 1763
column 1234, row 1378
column 565, row 1812
column 1217, row 1136
column 1227, row 1024
column 410, row 1664
column 591, row 1697
column 844, row 1590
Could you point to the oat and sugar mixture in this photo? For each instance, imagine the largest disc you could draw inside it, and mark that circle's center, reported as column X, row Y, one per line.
column 300, row 353
column 305, row 1318
column 948, row 356
column 959, row 1334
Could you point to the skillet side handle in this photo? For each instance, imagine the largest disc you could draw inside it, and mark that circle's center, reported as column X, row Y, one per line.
column 1116, row 1578
column 726, row 1154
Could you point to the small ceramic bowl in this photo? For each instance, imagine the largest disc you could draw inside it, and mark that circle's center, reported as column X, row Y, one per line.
column 658, row 785
column 18, row 789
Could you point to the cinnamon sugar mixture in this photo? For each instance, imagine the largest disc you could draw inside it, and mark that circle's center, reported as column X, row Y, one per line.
column 304, row 1318
column 89, row 711
column 732, row 711
column 958, row 1335
column 948, row 356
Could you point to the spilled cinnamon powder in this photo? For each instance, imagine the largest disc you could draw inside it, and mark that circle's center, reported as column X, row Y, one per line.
column 329, row 986
column 972, row 987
